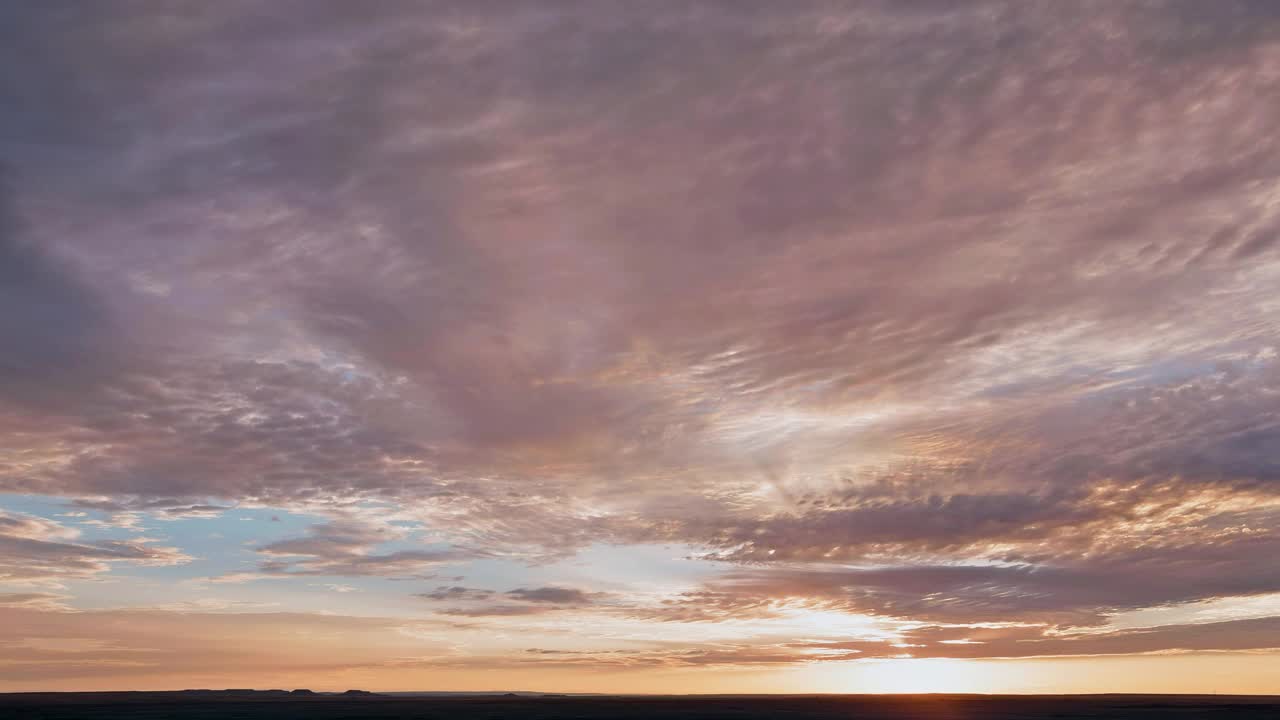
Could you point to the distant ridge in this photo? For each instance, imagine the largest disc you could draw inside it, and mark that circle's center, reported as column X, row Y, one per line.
column 250, row 692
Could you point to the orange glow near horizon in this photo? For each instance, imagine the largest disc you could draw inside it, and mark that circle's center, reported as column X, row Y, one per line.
column 1226, row 673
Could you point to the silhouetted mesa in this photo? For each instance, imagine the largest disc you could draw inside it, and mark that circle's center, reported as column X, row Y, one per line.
column 243, row 693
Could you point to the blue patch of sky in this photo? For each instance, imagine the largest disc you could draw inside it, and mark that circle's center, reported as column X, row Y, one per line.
column 227, row 543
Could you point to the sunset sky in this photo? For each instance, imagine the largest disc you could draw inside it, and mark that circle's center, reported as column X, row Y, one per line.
column 668, row 346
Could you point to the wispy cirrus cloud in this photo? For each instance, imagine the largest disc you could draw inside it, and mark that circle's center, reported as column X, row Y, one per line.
column 347, row 547
column 38, row 551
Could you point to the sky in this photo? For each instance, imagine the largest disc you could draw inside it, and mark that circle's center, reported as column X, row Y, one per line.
column 607, row 346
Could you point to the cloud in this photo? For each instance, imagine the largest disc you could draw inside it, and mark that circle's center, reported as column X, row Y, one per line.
column 456, row 592
column 551, row 595
column 36, row 550
column 945, row 314
column 170, row 646
column 55, row 330
column 345, row 547
column 1056, row 593
column 34, row 600
column 932, row 642
column 497, row 610
column 517, row 602
column 164, row 507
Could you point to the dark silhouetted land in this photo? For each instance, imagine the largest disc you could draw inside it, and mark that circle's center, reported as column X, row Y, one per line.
column 287, row 705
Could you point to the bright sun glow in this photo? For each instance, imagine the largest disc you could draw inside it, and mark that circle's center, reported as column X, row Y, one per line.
column 926, row 675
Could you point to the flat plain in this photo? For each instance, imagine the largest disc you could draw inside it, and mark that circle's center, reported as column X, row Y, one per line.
column 256, row 705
